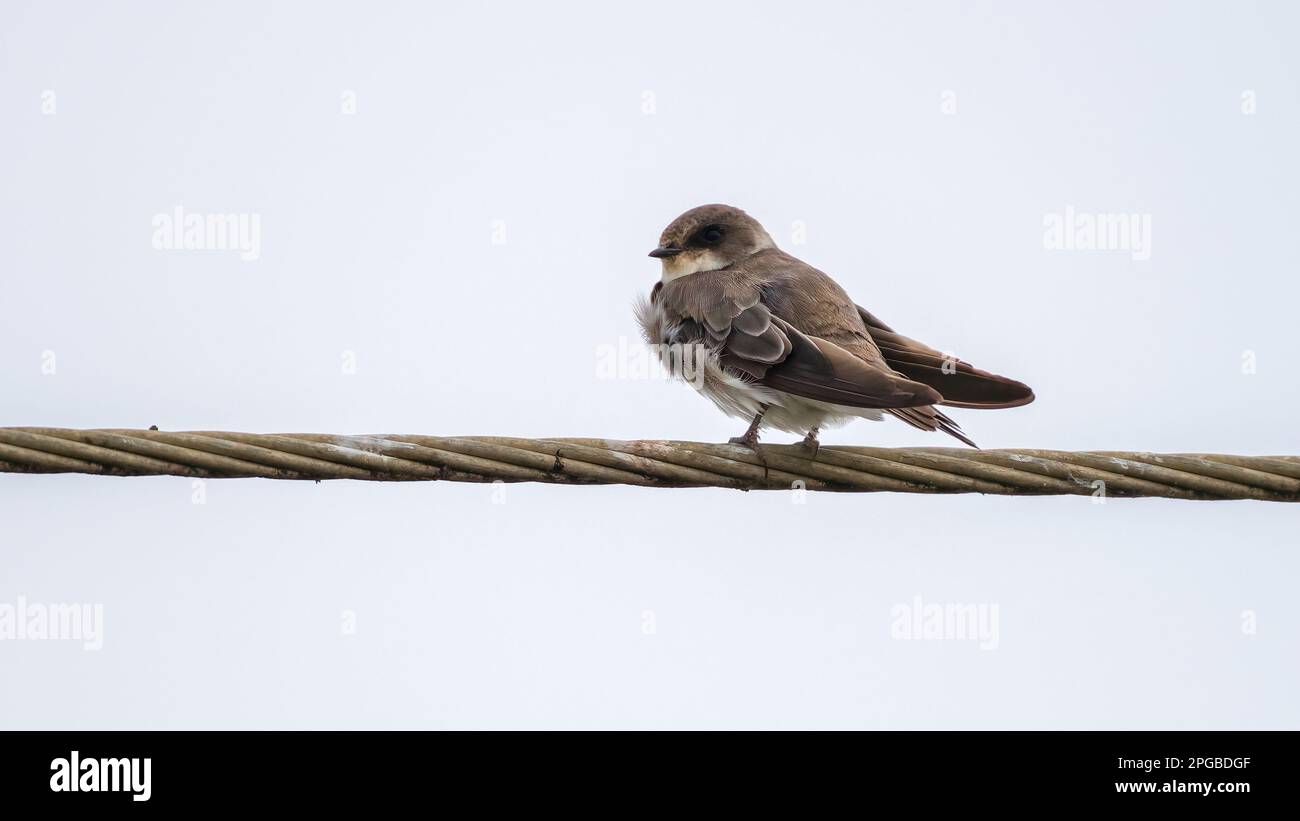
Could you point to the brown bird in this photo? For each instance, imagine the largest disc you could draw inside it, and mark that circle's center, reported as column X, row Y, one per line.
column 785, row 347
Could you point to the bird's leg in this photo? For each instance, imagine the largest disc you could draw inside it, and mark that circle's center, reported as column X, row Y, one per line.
column 750, row 439
column 810, row 442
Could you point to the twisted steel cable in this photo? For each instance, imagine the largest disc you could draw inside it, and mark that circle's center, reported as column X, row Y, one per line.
column 221, row 455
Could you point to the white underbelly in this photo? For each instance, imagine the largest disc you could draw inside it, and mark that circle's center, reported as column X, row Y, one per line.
column 785, row 411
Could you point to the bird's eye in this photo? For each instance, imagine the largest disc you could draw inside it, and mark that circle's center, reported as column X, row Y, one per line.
column 711, row 235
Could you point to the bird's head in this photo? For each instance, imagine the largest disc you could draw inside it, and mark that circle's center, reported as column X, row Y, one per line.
column 708, row 238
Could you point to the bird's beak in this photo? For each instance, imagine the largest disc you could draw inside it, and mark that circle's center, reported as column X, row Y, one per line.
column 660, row 253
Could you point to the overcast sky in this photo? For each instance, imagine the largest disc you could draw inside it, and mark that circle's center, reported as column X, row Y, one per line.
column 447, row 213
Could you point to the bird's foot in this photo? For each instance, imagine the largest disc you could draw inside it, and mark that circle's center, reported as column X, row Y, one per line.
column 811, row 444
column 749, row 440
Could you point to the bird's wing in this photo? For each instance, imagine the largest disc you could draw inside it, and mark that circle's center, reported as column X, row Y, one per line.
column 961, row 384
column 821, row 370
column 771, row 352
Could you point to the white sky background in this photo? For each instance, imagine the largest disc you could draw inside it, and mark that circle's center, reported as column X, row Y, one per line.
column 376, row 239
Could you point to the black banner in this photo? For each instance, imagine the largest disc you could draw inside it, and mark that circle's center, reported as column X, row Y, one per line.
column 137, row 771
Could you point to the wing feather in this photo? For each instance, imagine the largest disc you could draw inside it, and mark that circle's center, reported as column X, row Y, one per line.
column 754, row 342
column 821, row 370
column 961, row 384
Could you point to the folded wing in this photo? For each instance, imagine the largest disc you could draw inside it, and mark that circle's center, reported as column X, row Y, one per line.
column 961, row 384
column 775, row 354
column 764, row 348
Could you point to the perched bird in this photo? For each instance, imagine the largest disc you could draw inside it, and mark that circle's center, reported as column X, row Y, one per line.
column 785, row 347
